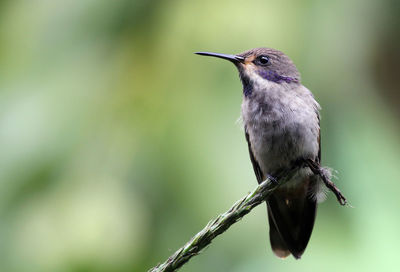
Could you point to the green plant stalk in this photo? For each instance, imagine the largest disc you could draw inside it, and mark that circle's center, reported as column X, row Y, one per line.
column 220, row 224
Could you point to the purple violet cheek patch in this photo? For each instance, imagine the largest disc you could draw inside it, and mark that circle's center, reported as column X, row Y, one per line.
column 273, row 76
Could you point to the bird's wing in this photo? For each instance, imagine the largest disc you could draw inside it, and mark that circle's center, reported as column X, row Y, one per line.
column 319, row 137
column 278, row 245
column 256, row 166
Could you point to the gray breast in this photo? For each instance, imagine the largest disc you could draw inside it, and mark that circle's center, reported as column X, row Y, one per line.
column 282, row 126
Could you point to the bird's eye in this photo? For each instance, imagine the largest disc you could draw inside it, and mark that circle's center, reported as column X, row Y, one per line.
column 262, row 60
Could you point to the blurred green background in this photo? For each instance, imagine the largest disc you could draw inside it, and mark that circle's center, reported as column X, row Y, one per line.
column 118, row 143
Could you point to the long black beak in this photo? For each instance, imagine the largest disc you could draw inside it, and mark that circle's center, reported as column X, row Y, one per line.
column 232, row 58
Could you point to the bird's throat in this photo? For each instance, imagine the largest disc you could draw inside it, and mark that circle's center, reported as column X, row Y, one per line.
column 247, row 85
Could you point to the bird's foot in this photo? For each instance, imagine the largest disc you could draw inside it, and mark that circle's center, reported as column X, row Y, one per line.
column 272, row 179
column 331, row 186
column 323, row 174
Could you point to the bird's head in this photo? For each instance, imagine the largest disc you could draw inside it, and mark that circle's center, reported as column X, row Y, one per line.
column 264, row 66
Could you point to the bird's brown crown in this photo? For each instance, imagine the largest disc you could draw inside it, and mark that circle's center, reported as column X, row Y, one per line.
column 271, row 64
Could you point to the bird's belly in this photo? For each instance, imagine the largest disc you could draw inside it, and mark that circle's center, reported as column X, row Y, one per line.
column 282, row 128
column 277, row 144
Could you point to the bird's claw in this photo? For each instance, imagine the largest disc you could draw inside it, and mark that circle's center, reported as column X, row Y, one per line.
column 272, row 179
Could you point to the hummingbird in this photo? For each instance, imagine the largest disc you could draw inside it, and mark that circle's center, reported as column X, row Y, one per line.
column 281, row 121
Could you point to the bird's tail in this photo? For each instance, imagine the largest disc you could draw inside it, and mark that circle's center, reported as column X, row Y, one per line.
column 291, row 216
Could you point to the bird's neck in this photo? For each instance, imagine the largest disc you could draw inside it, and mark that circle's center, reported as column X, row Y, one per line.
column 256, row 84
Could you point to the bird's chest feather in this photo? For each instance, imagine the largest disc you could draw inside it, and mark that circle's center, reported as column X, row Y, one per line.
column 282, row 127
